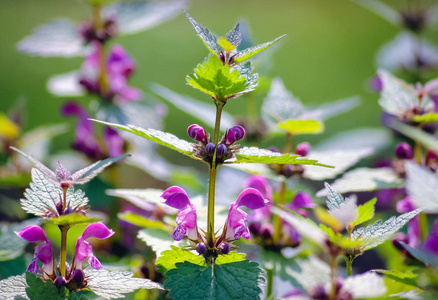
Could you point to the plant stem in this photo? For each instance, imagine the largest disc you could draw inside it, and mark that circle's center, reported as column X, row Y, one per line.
column 98, row 27
column 212, row 175
column 333, row 275
column 270, row 283
column 417, row 152
column 422, row 224
column 63, row 259
column 349, row 262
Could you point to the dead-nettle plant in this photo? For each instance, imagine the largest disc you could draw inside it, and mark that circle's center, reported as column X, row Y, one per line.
column 225, row 74
column 53, row 198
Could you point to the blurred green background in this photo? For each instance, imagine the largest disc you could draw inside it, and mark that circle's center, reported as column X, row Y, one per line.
column 329, row 54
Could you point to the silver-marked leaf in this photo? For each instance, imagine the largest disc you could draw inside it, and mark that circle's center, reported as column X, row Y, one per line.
column 65, row 85
column 57, row 38
column 366, row 285
column 334, row 199
column 328, row 110
column 135, row 16
column 112, row 285
column 256, row 155
column 198, row 109
column 382, row 10
column 425, row 139
column 158, row 239
column 404, row 51
column 374, row 235
column 366, row 179
column 234, row 36
column 250, row 52
column 145, row 199
column 342, row 209
column 11, row 246
column 13, row 287
column 397, row 97
column 162, row 138
column 422, row 185
column 209, row 39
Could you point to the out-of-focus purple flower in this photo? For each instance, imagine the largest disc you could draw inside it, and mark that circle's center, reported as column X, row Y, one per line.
column 413, row 235
column 43, row 252
column 405, row 205
column 236, row 224
column 376, row 84
column 303, row 148
column 186, row 223
column 197, row 133
column 261, row 184
column 403, row 151
column 234, row 134
column 431, row 243
column 84, row 141
column 300, row 201
column 84, row 249
column 113, row 141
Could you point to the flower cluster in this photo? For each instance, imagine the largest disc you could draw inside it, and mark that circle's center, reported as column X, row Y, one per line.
column 74, row 278
column 90, row 34
column 288, row 171
column 205, row 149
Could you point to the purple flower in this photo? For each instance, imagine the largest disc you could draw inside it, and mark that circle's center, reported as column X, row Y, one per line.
column 43, row 252
column 236, row 224
column 177, row 198
column 303, row 149
column 403, row 151
column 413, row 236
column 197, row 133
column 234, row 134
column 84, row 249
column 431, row 243
column 113, row 141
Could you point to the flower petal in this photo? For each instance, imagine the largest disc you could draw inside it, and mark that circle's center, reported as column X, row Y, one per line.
column 175, row 197
column 32, row 234
column 97, row 230
column 252, row 199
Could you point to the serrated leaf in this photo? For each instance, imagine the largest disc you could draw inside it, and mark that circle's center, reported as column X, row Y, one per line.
column 112, row 285
column 426, row 118
column 75, row 219
column 296, row 127
column 226, row 45
column 256, row 155
column 86, row 174
column 403, row 277
column 57, row 38
column 365, row 212
column 169, row 258
column 366, row 179
column 202, row 111
column 12, row 246
column 162, row 138
column 425, row 139
column 146, row 199
column 13, row 287
column 397, row 97
column 250, row 52
column 158, row 239
column 231, row 257
column 422, row 185
column 37, row 289
column 132, row 17
column 234, row 36
column 141, row 221
column 373, row 235
column 209, row 39
column 237, row 280
column 219, row 81
column 334, row 199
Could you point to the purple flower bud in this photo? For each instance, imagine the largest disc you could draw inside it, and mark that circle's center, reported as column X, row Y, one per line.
column 234, row 134
column 210, row 148
column 303, row 149
column 302, row 200
column 403, row 151
column 60, row 282
column 197, row 133
column 225, row 248
column 78, row 276
column 221, row 150
column 267, row 231
column 201, row 248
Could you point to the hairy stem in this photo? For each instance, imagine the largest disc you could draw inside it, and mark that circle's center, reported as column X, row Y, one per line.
column 63, row 258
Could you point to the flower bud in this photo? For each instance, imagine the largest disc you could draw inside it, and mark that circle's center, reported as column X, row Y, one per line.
column 403, row 151
column 431, row 157
column 234, row 134
column 201, row 248
column 78, row 276
column 197, row 133
column 225, row 247
column 303, row 149
column 60, row 282
column 210, row 148
column 222, row 150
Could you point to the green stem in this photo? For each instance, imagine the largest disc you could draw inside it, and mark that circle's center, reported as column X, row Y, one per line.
column 98, row 26
column 270, row 283
column 349, row 262
column 422, row 222
column 333, row 275
column 63, row 259
column 417, row 152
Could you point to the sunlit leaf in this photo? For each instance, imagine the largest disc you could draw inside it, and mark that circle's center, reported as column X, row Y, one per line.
column 8, row 129
column 422, row 186
column 65, row 85
column 73, row 220
column 13, row 287
column 365, row 212
column 296, row 127
column 403, row 277
column 11, row 246
column 158, row 239
column 139, row 220
column 209, row 39
column 250, row 52
column 169, row 258
column 426, row 118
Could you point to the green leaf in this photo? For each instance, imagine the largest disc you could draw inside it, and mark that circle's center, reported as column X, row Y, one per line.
column 236, row 280
column 226, row 45
column 162, row 138
column 373, row 235
column 209, row 39
column 231, row 257
column 38, row 289
column 13, row 287
column 263, row 156
column 169, row 258
column 250, row 52
column 112, row 285
column 426, row 118
column 422, row 185
column 425, row 139
column 158, row 239
column 403, row 277
column 11, row 246
column 426, row 258
column 366, row 179
column 75, row 219
column 222, row 82
column 141, row 221
column 365, row 212
column 296, row 127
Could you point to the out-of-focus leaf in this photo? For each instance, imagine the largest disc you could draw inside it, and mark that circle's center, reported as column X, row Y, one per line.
column 366, row 285
column 13, row 287
column 112, row 285
column 234, row 37
column 426, row 139
column 426, row 118
column 422, row 186
column 365, row 180
column 145, row 199
column 134, row 16
column 158, row 239
column 403, row 277
column 11, row 246
column 65, row 85
column 426, row 258
column 169, row 258
column 202, row 111
column 342, row 209
column 381, row 9
column 57, row 38
column 328, row 110
column 296, row 127
column 8, row 129
column 250, row 52
column 141, row 221
column 74, row 220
